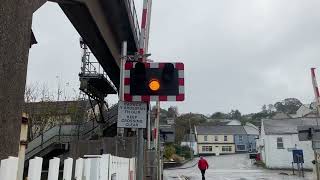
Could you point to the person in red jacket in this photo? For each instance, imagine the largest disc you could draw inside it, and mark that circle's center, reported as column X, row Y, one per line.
column 203, row 166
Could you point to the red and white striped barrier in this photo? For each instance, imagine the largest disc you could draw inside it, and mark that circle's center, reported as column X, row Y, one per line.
column 143, row 28
column 315, row 86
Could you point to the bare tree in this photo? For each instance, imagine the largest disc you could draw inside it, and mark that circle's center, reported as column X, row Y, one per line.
column 38, row 116
column 44, row 112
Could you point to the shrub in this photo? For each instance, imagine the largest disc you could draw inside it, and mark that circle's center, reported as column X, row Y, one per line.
column 169, row 150
column 184, row 151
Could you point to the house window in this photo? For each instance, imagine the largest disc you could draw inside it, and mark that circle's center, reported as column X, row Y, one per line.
column 205, row 138
column 240, row 138
column 225, row 138
column 241, row 147
column 226, row 148
column 280, row 143
column 216, row 138
column 206, row 148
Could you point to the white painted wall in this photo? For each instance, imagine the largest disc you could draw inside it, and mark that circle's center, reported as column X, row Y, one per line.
column 194, row 146
column 211, row 138
column 216, row 149
column 282, row 158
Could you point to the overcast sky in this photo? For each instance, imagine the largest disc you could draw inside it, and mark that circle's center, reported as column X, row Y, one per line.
column 237, row 54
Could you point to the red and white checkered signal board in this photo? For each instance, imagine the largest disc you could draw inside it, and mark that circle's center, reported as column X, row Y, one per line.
column 146, row 98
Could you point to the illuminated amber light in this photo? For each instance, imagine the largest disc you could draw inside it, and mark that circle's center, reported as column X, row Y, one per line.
column 154, row 84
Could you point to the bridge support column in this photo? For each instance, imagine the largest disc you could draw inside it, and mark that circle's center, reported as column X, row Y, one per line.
column 15, row 33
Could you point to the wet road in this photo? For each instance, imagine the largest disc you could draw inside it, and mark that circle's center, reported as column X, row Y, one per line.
column 230, row 167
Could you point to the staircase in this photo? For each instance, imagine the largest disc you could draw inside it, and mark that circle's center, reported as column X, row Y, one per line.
column 58, row 138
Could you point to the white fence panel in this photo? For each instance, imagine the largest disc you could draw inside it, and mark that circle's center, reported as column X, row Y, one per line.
column 87, row 168
column 112, row 168
column 94, row 168
column 79, row 169
column 104, row 167
column 53, row 173
column 8, row 167
column 67, row 169
column 35, row 168
column 117, row 167
column 132, row 167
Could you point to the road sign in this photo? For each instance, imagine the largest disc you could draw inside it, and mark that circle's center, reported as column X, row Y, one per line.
column 170, row 121
column 132, row 114
column 297, row 156
column 154, row 81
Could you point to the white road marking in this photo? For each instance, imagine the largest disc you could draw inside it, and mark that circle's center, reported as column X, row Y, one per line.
column 181, row 177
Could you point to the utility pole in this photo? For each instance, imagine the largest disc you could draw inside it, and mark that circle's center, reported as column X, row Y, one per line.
column 157, row 139
column 143, row 48
column 147, row 50
column 121, row 91
column 149, row 128
column 190, row 145
column 317, row 98
column 23, row 145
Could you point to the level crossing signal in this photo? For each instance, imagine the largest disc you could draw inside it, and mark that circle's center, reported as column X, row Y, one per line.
column 154, row 81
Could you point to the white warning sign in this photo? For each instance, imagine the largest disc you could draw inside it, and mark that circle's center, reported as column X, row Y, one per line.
column 132, row 114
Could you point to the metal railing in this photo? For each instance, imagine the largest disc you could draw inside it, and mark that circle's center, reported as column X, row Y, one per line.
column 133, row 19
column 68, row 133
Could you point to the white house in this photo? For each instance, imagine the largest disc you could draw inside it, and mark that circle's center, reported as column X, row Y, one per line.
column 216, row 140
column 279, row 137
column 190, row 141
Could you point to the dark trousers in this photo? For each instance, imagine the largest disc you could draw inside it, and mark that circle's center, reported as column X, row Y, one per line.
column 203, row 172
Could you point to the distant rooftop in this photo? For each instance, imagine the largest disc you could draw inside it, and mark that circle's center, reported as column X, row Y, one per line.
column 221, row 122
column 286, row 126
column 251, row 129
column 58, row 107
column 220, row 130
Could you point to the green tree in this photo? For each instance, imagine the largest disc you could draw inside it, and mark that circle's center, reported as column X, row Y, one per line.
column 271, row 108
column 184, row 121
column 288, row 105
column 235, row 114
column 169, row 150
column 218, row 115
column 172, row 111
column 264, row 108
